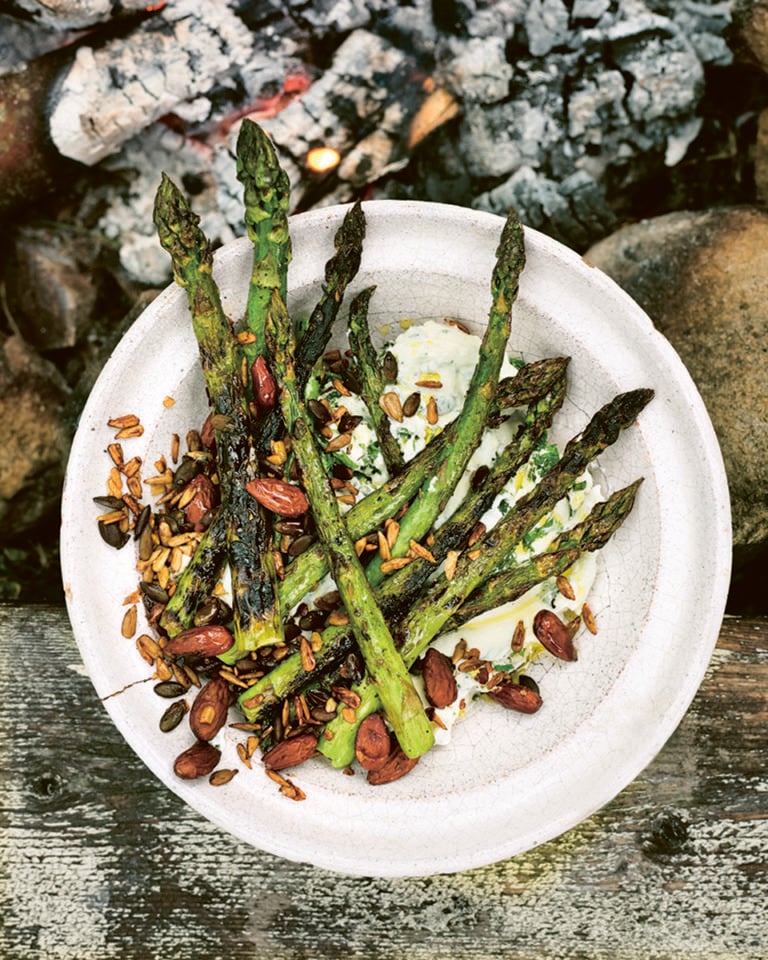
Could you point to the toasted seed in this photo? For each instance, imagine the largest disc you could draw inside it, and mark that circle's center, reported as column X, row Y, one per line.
column 459, row 651
column 128, row 433
column 127, row 420
column 114, row 516
column 219, row 777
column 554, row 635
column 342, row 388
column 396, row 563
column 564, row 586
column 432, row 412
column 148, row 647
column 113, row 535
column 173, row 715
column 115, row 483
column 169, row 689
column 162, row 671
column 418, row 550
column 361, row 545
column 128, row 626
column 588, row 618
column 115, row 451
column 518, row 637
column 451, row 559
column 307, row 656
column 389, row 367
column 338, row 443
column 391, row 405
column 430, row 380
column 113, row 503
column 411, row 404
column 384, row 547
column 391, row 529
column 319, row 411
column 337, row 618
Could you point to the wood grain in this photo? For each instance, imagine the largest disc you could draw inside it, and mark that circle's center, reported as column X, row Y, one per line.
column 100, row 860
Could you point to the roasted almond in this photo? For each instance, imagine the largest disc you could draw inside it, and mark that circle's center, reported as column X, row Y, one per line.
column 285, row 499
column 372, row 742
column 439, row 680
column 396, row 766
column 291, row 752
column 209, row 710
column 206, row 641
column 554, row 635
column 264, row 386
column 196, row 761
column 514, row 696
column 200, row 497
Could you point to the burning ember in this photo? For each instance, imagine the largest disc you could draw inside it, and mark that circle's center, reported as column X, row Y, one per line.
column 323, row 159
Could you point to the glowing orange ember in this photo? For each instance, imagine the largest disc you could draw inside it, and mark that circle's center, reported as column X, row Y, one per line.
column 323, row 159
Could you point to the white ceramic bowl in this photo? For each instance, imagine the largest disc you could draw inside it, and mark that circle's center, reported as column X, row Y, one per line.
column 506, row 782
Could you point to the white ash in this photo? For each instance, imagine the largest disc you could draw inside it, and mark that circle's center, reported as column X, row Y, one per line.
column 128, row 219
column 619, row 88
column 77, row 14
column 573, row 209
column 334, row 16
column 477, row 68
column 547, row 24
column 111, row 93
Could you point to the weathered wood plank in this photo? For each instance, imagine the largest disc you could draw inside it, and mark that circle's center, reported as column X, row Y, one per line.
column 100, row 860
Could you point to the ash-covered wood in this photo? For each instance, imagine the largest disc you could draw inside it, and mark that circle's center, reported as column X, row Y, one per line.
column 183, row 60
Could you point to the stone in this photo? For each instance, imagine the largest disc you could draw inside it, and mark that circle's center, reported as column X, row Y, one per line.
column 36, row 441
column 702, row 277
column 750, row 30
column 51, row 285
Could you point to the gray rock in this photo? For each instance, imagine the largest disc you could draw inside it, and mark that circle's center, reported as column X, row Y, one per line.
column 52, row 286
column 703, row 279
column 35, row 442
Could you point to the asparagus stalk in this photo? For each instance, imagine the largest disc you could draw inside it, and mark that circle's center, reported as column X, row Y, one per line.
column 511, row 580
column 198, row 578
column 257, row 618
column 532, row 382
column 266, row 193
column 589, row 535
column 371, row 379
column 401, row 701
column 312, row 335
column 475, row 566
column 434, row 494
column 398, row 591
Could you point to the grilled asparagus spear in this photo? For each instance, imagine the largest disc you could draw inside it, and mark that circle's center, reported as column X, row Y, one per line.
column 371, row 378
column 257, row 618
column 510, row 259
column 266, row 193
column 398, row 696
